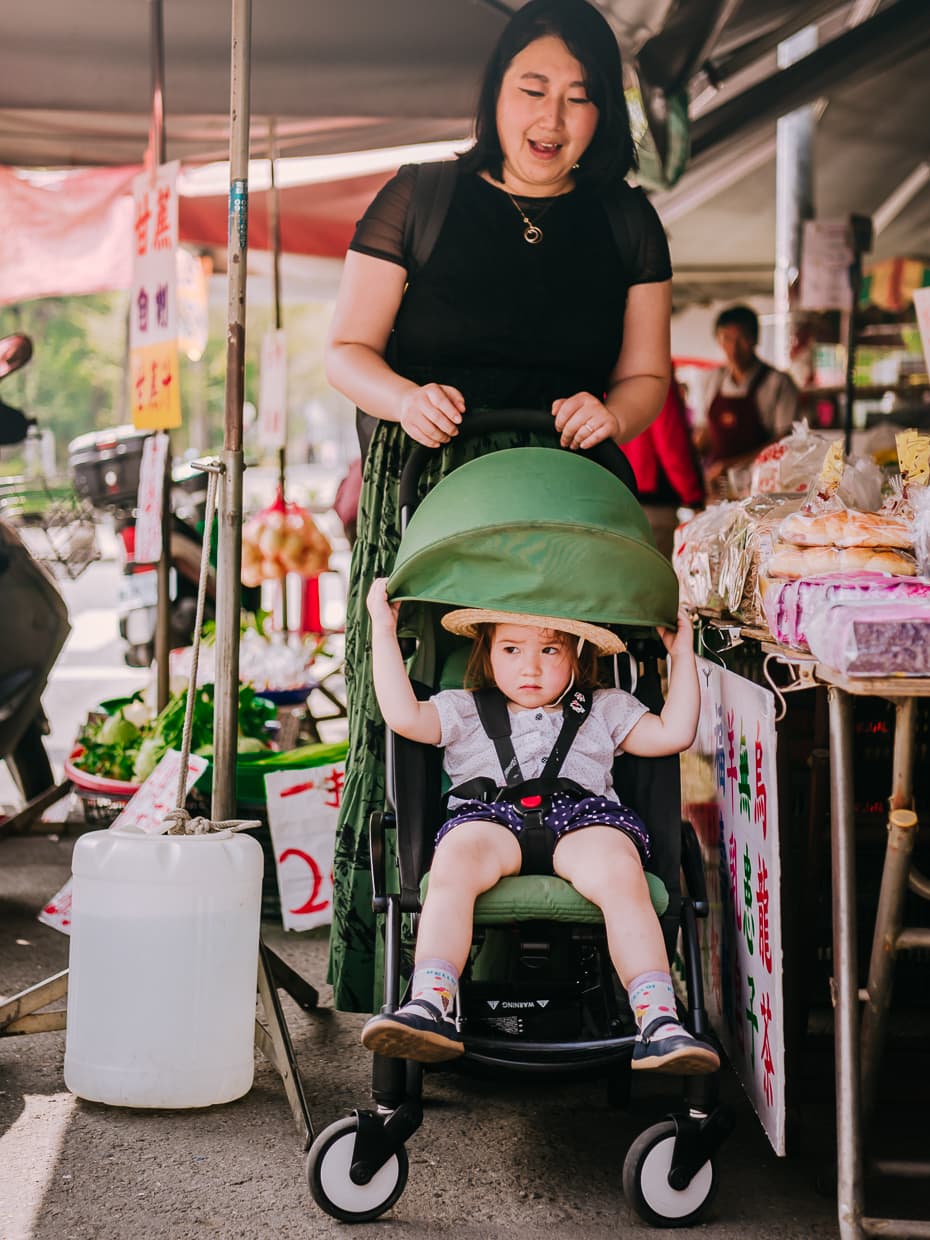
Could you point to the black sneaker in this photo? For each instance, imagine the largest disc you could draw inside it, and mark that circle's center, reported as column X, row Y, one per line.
column 416, row 1031
column 677, row 1051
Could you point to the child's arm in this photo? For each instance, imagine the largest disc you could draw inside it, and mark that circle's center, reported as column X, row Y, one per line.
column 418, row 721
column 653, row 736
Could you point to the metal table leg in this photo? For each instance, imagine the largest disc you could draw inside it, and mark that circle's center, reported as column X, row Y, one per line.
column 902, row 824
column 845, row 968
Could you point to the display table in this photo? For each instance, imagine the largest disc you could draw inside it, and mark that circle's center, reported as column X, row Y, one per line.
column 859, row 1039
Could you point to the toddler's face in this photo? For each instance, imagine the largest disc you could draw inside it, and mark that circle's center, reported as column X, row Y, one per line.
column 531, row 666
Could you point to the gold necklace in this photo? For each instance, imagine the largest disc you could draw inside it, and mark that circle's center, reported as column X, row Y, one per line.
column 532, row 233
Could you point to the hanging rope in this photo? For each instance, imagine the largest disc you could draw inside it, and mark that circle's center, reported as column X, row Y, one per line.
column 181, row 821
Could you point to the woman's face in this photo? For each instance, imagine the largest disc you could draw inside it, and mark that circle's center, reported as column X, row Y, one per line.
column 545, row 121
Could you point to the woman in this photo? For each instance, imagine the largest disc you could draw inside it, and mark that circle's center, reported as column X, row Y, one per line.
column 525, row 301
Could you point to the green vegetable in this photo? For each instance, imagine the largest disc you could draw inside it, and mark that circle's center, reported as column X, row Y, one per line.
column 117, row 730
column 117, row 749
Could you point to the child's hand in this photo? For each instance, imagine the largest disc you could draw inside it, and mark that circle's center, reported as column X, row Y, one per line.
column 679, row 641
column 383, row 613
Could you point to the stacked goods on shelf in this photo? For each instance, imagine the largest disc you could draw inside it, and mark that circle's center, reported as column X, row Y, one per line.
column 839, row 581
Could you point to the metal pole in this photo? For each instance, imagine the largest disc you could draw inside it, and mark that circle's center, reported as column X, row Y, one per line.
column 275, row 220
column 157, row 150
column 229, row 562
column 889, row 919
column 849, row 1199
column 794, row 193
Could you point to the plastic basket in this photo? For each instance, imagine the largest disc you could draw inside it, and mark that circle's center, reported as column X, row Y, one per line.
column 102, row 800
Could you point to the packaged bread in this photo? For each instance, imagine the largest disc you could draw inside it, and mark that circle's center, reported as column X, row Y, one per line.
column 796, row 562
column 846, row 528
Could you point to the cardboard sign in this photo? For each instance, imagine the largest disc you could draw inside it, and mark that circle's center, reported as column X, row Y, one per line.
column 150, row 499
column 729, row 794
column 144, row 814
column 302, row 810
column 154, row 373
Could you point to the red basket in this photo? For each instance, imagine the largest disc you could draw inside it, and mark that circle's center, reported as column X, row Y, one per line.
column 102, row 800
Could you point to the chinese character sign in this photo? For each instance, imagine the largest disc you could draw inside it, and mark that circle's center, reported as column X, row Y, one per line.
column 153, row 316
column 150, row 498
column 302, row 809
column 272, row 396
column 729, row 794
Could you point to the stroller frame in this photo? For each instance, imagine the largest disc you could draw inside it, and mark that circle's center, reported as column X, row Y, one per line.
column 357, row 1168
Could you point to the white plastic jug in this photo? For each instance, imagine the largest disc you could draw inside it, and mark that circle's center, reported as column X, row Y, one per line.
column 163, row 968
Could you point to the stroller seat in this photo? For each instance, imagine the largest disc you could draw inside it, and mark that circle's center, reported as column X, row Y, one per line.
column 545, row 897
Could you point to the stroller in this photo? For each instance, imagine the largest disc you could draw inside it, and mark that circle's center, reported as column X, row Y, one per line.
column 539, row 994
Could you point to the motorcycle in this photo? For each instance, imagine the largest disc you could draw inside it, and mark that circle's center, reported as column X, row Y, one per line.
column 34, row 625
column 104, row 468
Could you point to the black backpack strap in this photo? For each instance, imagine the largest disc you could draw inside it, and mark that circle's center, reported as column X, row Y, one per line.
column 495, row 719
column 426, row 214
column 575, row 710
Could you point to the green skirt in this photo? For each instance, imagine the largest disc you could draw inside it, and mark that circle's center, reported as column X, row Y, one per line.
column 355, row 947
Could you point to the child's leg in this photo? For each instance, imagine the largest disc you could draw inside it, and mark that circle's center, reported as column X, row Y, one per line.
column 604, row 865
column 468, row 860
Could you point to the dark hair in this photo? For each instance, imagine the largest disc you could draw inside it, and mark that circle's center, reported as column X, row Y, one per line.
column 743, row 317
column 589, row 38
column 478, row 674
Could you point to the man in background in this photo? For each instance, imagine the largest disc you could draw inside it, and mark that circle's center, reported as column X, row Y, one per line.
column 747, row 403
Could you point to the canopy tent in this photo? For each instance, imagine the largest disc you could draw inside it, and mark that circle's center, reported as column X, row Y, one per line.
column 360, row 74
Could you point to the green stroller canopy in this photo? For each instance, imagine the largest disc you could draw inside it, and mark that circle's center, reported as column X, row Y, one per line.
column 542, row 531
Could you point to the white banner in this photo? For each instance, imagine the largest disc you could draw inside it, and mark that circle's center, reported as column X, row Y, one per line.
column 729, row 794
column 150, row 500
column 302, row 811
column 272, row 396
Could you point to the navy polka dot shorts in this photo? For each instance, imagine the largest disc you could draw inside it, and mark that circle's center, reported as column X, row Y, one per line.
column 567, row 813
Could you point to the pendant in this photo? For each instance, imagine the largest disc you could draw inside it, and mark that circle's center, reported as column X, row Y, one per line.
column 532, row 234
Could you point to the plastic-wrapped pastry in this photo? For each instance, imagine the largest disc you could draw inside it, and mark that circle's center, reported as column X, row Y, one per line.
column 792, row 606
column 789, row 561
column 846, row 528
column 872, row 639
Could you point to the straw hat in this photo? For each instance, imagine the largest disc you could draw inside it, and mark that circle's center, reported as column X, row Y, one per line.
column 465, row 621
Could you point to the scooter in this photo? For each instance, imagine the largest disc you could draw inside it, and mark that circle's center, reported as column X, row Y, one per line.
column 33, row 628
column 104, row 468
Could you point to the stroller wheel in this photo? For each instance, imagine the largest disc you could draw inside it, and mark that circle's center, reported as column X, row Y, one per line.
column 328, row 1166
column 645, row 1180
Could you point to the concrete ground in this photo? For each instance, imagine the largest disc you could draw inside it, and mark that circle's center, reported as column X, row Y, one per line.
column 503, row 1158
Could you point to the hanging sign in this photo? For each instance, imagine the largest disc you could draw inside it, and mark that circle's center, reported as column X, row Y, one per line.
column 922, row 306
column 144, row 814
column 150, row 500
column 729, row 794
column 153, row 318
column 272, row 398
column 302, row 809
column 193, row 303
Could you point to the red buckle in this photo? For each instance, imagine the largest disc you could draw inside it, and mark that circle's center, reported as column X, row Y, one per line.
column 531, row 802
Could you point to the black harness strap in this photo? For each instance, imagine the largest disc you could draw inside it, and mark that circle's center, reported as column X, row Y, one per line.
column 532, row 798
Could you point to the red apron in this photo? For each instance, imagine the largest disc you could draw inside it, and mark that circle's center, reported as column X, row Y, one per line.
column 734, row 423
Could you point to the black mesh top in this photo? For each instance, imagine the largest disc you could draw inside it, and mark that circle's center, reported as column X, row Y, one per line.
column 511, row 324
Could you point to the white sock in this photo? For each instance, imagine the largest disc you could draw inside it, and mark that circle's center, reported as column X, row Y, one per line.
column 652, row 997
column 436, row 982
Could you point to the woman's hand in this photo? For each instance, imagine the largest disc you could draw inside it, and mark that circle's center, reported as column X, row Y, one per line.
column 680, row 640
column 431, row 414
column 383, row 612
column 583, row 421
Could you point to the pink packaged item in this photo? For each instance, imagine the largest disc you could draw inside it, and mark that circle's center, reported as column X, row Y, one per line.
column 872, row 639
column 790, row 605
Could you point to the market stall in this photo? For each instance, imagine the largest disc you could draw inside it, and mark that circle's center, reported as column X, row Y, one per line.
column 814, row 597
